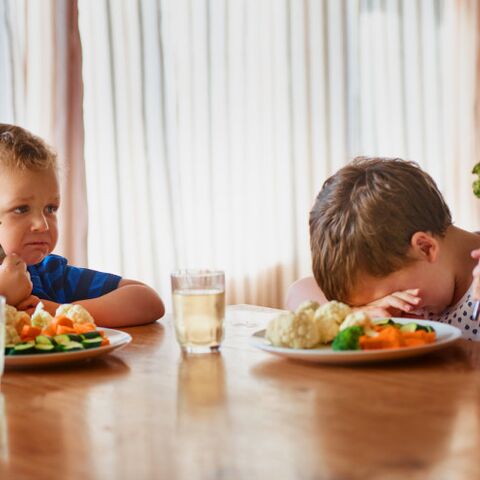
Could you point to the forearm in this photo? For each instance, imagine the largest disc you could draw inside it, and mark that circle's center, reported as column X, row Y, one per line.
column 128, row 305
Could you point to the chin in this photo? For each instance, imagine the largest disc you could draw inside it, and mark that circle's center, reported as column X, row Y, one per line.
column 34, row 259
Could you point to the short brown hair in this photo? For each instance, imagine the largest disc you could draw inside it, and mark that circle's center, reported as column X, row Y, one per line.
column 21, row 149
column 364, row 217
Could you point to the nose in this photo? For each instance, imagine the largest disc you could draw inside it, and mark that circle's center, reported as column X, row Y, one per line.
column 39, row 223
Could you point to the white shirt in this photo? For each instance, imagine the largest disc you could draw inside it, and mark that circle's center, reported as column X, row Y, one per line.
column 458, row 315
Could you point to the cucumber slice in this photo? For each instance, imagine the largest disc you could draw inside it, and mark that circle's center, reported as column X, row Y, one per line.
column 71, row 347
column 44, row 347
column 409, row 327
column 92, row 342
column 9, row 348
column 61, row 339
column 23, row 348
column 43, row 339
column 92, row 334
column 426, row 328
column 74, row 337
column 384, row 322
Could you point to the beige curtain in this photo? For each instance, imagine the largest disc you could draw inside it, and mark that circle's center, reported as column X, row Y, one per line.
column 41, row 90
column 210, row 126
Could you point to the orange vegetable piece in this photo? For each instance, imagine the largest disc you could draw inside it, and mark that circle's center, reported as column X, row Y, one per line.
column 392, row 337
column 61, row 330
column 49, row 331
column 105, row 341
column 85, row 327
column 29, row 332
column 64, row 321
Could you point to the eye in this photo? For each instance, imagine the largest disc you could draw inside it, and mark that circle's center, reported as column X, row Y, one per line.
column 21, row 209
column 51, row 209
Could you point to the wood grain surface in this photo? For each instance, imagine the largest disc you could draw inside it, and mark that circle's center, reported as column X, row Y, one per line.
column 146, row 412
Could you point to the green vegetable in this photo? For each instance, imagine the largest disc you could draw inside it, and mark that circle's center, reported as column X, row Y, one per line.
column 476, row 183
column 70, row 347
column 44, row 348
column 92, row 342
column 409, row 327
column 348, row 339
column 74, row 337
column 92, row 334
column 61, row 339
column 43, row 339
column 23, row 348
column 384, row 322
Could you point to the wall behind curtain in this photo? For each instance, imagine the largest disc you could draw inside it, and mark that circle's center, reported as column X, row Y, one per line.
column 41, row 90
column 211, row 126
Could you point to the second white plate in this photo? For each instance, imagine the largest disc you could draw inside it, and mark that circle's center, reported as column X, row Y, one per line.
column 446, row 335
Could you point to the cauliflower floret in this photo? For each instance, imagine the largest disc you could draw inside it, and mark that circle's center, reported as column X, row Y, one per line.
column 15, row 318
column 359, row 319
column 308, row 306
column 74, row 312
column 335, row 310
column 41, row 318
column 328, row 317
column 11, row 335
column 293, row 330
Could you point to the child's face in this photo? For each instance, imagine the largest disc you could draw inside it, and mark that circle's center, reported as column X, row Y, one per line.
column 29, row 201
column 436, row 286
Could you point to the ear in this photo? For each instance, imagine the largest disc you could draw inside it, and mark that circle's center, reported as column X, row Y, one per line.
column 425, row 246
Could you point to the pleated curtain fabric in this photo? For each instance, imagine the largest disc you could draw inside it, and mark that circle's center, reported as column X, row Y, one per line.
column 211, row 126
column 41, row 90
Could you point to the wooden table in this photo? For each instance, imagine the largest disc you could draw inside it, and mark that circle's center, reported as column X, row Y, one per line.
column 147, row 413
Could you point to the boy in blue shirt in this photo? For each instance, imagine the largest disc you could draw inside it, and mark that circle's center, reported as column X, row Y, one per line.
column 29, row 200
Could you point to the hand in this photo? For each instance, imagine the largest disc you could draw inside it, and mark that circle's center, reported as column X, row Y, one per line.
column 476, row 275
column 28, row 304
column 393, row 305
column 50, row 307
column 15, row 283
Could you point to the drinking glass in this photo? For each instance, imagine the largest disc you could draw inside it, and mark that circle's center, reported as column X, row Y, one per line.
column 198, row 309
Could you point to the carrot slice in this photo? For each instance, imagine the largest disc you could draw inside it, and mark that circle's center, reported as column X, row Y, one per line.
column 85, row 327
column 64, row 321
column 61, row 330
column 30, row 332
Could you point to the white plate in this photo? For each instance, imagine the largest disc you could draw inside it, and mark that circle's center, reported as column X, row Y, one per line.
column 117, row 339
column 446, row 334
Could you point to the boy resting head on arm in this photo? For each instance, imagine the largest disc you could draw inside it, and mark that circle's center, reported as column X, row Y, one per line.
column 29, row 201
column 382, row 239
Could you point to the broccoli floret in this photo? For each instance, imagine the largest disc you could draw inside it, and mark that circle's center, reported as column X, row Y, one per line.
column 476, row 183
column 476, row 188
column 348, row 339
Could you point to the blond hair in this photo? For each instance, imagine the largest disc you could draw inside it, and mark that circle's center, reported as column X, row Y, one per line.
column 364, row 217
column 21, row 149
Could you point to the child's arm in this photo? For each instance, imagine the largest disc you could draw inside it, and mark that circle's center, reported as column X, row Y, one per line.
column 302, row 290
column 476, row 275
column 397, row 304
column 132, row 303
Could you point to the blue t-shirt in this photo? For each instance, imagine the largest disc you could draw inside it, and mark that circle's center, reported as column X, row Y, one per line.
column 53, row 279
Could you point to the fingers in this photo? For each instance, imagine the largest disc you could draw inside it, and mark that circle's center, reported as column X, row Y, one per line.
column 14, row 261
column 475, row 253
column 29, row 302
column 405, row 301
column 377, row 312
